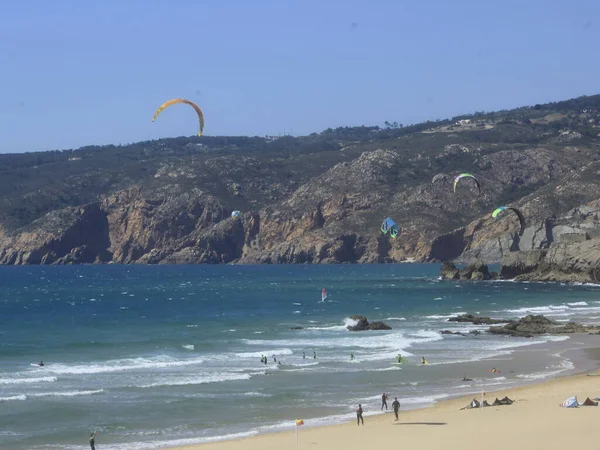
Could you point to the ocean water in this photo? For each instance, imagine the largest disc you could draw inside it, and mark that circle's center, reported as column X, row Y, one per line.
column 159, row 356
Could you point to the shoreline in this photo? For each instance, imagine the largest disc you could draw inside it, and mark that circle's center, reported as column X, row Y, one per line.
column 381, row 426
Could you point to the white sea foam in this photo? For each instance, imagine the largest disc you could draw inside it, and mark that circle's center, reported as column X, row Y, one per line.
column 189, row 346
column 21, row 397
column 119, row 365
column 202, row 378
column 396, row 318
column 441, row 316
column 66, row 393
column 27, row 380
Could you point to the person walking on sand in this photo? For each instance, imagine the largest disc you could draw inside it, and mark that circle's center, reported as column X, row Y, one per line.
column 384, row 401
column 396, row 406
column 93, row 440
column 359, row 415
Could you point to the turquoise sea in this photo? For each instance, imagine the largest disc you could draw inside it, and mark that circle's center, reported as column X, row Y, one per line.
column 159, row 356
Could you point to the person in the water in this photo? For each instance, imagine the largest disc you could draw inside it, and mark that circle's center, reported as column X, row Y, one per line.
column 351, row 356
column 41, row 364
column 423, row 361
column 93, row 440
column 399, row 358
column 314, row 355
column 303, row 355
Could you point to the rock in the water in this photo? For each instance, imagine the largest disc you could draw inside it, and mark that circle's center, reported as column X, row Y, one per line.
column 362, row 324
column 535, row 325
column 449, row 271
column 475, row 320
column 475, row 271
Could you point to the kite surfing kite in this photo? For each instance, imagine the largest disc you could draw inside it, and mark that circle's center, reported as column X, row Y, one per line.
column 439, row 176
column 466, row 175
column 516, row 211
column 181, row 100
column 391, row 226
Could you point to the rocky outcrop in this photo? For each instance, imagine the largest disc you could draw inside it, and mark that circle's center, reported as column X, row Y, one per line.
column 535, row 325
column 362, row 324
column 475, row 320
column 475, row 271
column 458, row 333
column 577, row 262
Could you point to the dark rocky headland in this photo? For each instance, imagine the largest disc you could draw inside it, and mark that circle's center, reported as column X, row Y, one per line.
column 321, row 198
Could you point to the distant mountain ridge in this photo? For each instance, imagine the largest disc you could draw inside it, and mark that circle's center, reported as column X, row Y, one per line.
column 313, row 199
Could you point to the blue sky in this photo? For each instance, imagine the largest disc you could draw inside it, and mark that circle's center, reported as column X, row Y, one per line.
column 76, row 73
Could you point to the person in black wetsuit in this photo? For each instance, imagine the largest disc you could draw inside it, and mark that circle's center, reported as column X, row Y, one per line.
column 359, row 415
column 396, row 406
column 93, row 440
column 384, row 401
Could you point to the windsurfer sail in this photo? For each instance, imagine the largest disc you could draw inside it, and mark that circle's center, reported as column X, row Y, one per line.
column 323, row 294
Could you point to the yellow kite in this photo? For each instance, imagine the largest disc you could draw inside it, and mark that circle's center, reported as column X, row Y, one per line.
column 181, row 100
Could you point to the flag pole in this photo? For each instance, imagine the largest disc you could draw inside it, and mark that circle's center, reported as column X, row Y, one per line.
column 481, row 404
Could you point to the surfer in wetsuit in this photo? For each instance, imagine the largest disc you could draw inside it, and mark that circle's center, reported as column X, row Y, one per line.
column 314, row 355
column 351, row 356
column 399, row 358
column 423, row 360
column 93, row 440
column 274, row 359
column 41, row 364
column 396, row 406
column 359, row 415
column 303, row 355
column 384, row 401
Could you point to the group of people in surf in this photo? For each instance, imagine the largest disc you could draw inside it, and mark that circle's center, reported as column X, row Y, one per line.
column 264, row 360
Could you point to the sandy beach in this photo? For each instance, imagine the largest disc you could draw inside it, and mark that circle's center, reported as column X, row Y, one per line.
column 533, row 421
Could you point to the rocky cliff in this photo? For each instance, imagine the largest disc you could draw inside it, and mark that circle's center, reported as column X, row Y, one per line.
column 314, row 199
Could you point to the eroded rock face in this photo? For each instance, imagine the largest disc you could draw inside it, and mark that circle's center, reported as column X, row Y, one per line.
column 308, row 200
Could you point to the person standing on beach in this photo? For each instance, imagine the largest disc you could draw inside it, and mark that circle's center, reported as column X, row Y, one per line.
column 396, row 406
column 359, row 415
column 93, row 440
column 384, row 401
